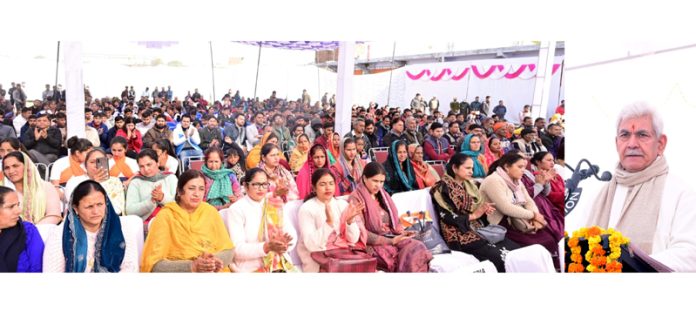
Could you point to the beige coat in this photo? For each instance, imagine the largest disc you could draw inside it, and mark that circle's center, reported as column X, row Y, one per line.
column 494, row 189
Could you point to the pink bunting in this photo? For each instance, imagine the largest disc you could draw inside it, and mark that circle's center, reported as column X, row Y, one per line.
column 461, row 75
column 438, row 77
column 418, row 76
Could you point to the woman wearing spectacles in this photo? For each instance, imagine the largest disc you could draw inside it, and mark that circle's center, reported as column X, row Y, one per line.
column 262, row 234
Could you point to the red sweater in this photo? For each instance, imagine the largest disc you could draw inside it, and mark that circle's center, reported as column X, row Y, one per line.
column 134, row 144
column 433, row 154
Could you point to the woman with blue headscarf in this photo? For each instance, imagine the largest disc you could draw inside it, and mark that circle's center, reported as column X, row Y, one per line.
column 400, row 174
column 472, row 147
column 90, row 239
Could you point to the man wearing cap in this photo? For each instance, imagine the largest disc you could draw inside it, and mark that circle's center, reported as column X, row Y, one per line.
column 5, row 130
column 500, row 130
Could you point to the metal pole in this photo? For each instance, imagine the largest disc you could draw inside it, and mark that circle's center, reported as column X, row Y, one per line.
column 57, row 59
column 212, row 68
column 560, row 84
column 391, row 72
column 258, row 63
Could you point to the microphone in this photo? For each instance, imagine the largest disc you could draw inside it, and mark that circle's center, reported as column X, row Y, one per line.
column 572, row 191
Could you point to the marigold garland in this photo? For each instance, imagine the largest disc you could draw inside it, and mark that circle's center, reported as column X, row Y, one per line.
column 597, row 257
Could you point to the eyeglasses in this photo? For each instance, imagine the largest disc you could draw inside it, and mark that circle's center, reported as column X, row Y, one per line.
column 260, row 185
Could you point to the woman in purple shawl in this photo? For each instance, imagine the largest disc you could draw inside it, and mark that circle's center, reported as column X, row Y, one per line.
column 387, row 240
column 538, row 187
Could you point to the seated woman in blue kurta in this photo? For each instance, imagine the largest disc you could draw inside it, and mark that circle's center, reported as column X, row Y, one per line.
column 21, row 247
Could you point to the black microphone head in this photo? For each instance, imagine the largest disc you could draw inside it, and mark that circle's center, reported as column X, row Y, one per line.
column 595, row 169
column 606, row 176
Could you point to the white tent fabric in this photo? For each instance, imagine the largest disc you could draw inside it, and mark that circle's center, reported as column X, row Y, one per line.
column 74, row 90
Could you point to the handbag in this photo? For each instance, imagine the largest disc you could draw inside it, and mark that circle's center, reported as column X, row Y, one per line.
column 492, row 233
column 522, row 225
column 431, row 238
column 345, row 260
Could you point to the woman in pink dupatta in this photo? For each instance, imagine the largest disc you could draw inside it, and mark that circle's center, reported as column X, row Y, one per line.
column 316, row 159
column 387, row 240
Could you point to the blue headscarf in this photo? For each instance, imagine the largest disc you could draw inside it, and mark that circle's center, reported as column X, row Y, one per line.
column 479, row 172
column 110, row 246
column 408, row 177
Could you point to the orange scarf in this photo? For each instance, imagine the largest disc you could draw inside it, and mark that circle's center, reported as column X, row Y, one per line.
column 73, row 170
column 424, row 177
column 120, row 166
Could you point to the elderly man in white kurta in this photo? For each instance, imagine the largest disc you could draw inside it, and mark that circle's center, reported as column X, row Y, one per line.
column 643, row 200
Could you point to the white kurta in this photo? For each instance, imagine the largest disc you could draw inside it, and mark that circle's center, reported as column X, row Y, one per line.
column 315, row 232
column 674, row 243
column 54, row 260
column 243, row 221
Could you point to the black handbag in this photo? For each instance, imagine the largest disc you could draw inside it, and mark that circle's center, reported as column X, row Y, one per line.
column 431, row 238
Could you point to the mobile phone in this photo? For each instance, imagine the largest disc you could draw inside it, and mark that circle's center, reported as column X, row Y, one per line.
column 390, row 235
column 103, row 163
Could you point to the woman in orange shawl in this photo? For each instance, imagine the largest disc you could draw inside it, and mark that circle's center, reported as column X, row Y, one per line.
column 426, row 176
column 254, row 157
column 120, row 165
column 79, row 147
column 188, row 235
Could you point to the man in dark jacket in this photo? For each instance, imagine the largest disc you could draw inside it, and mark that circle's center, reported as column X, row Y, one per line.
column 42, row 141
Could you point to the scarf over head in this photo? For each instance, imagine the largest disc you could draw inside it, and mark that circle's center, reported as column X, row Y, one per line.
column 109, row 249
column 424, row 176
column 406, row 176
column 33, row 194
column 639, row 213
column 479, row 170
column 177, row 234
column 304, row 175
column 350, row 172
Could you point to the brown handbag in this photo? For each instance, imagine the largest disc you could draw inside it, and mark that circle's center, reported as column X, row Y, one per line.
column 345, row 260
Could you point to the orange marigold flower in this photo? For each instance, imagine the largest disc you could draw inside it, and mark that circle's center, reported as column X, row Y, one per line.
column 573, row 242
column 594, row 231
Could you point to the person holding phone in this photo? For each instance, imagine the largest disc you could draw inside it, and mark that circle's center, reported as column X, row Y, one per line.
column 387, row 240
column 97, row 167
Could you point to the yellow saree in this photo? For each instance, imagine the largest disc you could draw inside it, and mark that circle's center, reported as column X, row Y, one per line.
column 176, row 234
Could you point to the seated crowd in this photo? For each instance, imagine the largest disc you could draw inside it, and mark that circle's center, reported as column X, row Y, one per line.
column 210, row 185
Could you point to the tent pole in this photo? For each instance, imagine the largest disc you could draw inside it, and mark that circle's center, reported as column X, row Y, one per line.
column 391, row 72
column 57, row 59
column 258, row 63
column 212, row 68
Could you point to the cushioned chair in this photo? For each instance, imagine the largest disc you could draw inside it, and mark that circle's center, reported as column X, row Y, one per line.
column 416, row 201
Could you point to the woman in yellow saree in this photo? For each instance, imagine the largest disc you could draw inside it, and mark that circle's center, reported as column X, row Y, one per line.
column 188, row 235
